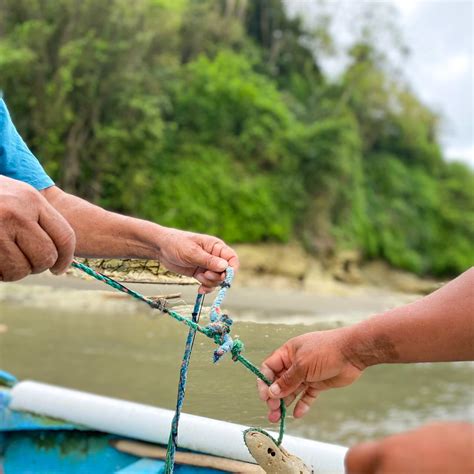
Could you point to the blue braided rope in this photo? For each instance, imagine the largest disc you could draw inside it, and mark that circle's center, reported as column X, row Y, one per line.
column 225, row 285
column 221, row 323
column 183, row 376
column 226, row 346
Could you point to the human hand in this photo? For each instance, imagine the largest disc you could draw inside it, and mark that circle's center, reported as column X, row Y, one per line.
column 437, row 448
column 305, row 366
column 34, row 237
column 201, row 256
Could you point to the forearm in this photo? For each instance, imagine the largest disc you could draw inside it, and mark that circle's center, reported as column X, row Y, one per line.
column 104, row 234
column 436, row 328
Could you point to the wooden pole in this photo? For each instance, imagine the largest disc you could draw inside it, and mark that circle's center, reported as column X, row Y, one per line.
column 146, row 450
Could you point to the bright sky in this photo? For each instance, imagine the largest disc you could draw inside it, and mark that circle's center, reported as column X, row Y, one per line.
column 440, row 67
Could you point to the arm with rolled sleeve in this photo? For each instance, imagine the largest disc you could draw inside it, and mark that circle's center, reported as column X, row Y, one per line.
column 34, row 236
column 16, row 160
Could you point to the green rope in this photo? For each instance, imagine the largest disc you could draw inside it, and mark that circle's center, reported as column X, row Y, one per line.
column 237, row 348
column 160, row 305
column 246, row 363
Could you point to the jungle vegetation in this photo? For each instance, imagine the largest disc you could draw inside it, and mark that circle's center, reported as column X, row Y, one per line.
column 217, row 116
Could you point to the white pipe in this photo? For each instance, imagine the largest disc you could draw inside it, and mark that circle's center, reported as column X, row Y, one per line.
column 152, row 424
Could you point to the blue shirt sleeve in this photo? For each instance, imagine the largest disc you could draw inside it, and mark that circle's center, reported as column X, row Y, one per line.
column 16, row 160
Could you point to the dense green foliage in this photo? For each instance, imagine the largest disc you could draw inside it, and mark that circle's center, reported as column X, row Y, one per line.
column 216, row 116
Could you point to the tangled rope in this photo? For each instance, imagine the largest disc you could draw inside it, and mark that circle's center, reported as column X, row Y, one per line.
column 218, row 329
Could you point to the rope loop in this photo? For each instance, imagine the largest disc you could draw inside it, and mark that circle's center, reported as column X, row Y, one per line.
column 220, row 325
column 224, row 286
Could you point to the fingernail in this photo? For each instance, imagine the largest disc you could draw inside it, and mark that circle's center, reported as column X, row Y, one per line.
column 273, row 416
column 262, row 393
column 275, row 389
column 303, row 409
column 223, row 264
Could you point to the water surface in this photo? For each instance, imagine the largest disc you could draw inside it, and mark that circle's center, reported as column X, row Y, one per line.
column 131, row 355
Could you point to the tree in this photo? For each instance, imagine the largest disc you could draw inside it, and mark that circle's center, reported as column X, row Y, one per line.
column 217, row 116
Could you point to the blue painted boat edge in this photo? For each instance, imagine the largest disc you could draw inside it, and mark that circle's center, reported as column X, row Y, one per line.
column 7, row 379
column 76, row 452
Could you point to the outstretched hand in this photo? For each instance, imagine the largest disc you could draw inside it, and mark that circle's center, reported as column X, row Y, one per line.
column 305, row 366
column 198, row 255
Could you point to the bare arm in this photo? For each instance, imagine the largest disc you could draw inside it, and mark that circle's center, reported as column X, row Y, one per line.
column 439, row 327
column 436, row 328
column 100, row 233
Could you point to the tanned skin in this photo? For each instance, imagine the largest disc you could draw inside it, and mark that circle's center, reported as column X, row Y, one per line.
column 44, row 230
column 436, row 328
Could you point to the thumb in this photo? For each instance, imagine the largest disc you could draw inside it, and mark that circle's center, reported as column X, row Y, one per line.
column 287, row 383
column 205, row 260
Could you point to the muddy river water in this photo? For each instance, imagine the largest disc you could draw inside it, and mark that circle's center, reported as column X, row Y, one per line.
column 74, row 336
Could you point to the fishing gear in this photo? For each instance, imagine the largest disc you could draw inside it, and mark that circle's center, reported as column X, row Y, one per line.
column 218, row 330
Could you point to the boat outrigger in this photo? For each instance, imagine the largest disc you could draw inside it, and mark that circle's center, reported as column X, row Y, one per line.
column 46, row 429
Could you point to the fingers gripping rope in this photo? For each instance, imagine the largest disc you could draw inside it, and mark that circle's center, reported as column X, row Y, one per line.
column 218, row 330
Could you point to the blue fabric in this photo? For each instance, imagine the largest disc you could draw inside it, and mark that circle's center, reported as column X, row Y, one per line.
column 16, row 160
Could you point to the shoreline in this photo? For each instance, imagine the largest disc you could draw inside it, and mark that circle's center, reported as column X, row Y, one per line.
column 280, row 266
column 276, row 284
column 344, row 304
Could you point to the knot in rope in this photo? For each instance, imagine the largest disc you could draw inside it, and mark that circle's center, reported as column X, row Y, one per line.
column 220, row 325
column 219, row 331
column 237, row 349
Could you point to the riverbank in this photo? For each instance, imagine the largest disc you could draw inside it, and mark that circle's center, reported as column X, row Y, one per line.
column 276, row 284
column 280, row 266
column 343, row 304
